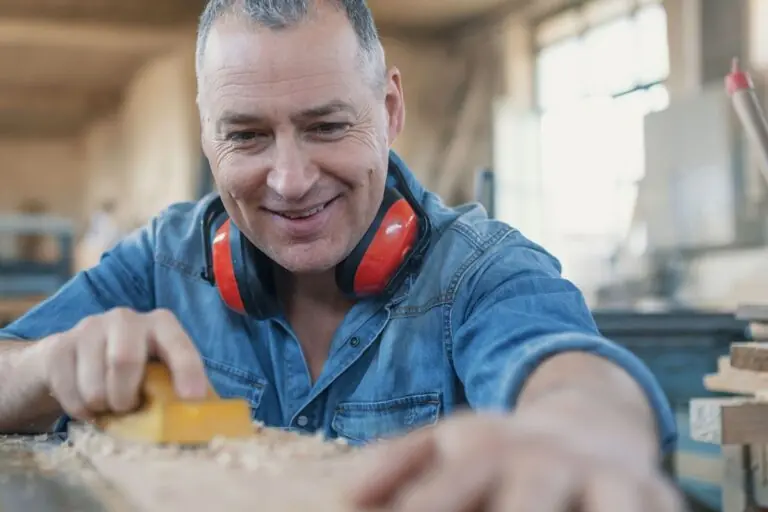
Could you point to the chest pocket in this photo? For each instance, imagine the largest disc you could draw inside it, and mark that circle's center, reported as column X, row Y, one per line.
column 363, row 422
column 231, row 382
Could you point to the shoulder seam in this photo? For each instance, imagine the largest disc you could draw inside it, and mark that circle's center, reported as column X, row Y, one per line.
column 481, row 248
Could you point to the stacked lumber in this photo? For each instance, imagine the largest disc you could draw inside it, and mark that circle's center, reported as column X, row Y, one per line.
column 741, row 419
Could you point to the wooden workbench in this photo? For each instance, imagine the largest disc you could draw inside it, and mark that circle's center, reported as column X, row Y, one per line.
column 33, row 478
column 95, row 473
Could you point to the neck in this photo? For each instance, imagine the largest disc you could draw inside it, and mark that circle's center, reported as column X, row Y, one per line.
column 319, row 289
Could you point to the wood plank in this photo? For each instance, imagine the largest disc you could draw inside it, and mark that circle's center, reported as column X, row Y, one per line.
column 732, row 380
column 750, row 356
column 729, row 421
column 753, row 312
column 734, row 498
column 274, row 471
column 31, row 479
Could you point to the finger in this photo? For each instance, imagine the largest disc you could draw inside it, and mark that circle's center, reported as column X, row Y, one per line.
column 544, row 485
column 91, row 371
column 461, row 486
column 126, row 356
column 608, row 492
column 391, row 465
column 176, row 349
column 63, row 381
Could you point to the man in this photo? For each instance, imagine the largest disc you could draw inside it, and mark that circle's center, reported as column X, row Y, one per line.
column 298, row 116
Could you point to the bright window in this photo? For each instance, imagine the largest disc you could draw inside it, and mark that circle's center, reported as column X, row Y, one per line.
column 600, row 70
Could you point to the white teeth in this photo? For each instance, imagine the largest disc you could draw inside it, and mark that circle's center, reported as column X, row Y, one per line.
column 304, row 215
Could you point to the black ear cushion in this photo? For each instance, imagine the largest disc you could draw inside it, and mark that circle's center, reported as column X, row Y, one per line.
column 253, row 271
column 347, row 269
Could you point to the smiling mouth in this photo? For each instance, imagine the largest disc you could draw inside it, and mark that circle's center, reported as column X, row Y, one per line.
column 305, row 214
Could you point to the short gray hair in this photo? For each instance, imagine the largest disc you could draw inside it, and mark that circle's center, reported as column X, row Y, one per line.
column 278, row 14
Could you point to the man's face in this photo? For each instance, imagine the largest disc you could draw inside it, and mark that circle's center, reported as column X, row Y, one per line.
column 297, row 136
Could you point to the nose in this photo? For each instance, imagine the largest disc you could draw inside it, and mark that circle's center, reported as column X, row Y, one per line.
column 292, row 175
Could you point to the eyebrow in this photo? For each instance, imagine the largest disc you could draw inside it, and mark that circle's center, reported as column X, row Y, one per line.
column 230, row 118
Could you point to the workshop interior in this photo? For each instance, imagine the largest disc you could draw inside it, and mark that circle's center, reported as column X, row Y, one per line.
column 628, row 137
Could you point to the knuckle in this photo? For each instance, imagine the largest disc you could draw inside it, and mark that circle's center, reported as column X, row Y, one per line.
column 162, row 315
column 124, row 361
column 88, row 323
column 121, row 314
column 122, row 356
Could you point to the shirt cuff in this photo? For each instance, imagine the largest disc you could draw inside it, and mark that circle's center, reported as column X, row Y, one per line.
column 532, row 354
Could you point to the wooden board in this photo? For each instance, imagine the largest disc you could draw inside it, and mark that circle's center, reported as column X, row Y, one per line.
column 732, row 380
column 729, row 421
column 753, row 312
column 274, row 471
column 750, row 356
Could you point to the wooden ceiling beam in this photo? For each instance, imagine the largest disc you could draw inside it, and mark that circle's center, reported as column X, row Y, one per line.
column 105, row 36
column 41, row 112
column 54, row 102
column 135, row 12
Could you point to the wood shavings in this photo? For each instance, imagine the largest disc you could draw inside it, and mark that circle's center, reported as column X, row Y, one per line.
column 262, row 473
column 278, row 447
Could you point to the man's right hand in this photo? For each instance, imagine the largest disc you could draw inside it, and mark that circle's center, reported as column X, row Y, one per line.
column 98, row 366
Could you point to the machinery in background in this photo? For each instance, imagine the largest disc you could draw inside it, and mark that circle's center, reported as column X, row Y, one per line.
column 36, row 259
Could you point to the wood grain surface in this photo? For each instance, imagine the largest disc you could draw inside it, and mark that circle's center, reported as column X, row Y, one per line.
column 275, row 471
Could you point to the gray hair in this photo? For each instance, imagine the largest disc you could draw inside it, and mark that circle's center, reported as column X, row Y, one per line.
column 278, row 14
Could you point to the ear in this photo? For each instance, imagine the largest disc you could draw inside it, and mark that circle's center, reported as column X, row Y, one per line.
column 395, row 103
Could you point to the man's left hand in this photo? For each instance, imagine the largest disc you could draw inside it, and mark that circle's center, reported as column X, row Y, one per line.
column 533, row 460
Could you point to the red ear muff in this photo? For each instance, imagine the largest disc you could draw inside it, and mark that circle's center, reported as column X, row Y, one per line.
column 224, row 269
column 396, row 240
column 391, row 244
column 380, row 255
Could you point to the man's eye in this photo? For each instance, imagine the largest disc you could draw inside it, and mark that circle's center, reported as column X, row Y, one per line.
column 242, row 136
column 330, row 128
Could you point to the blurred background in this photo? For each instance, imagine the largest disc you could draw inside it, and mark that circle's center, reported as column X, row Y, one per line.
column 601, row 129
column 605, row 124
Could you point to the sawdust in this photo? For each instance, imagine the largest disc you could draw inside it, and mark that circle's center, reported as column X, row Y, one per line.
column 270, row 449
column 273, row 470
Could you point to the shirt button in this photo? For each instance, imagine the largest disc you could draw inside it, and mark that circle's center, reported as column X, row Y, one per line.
column 302, row 421
column 355, row 341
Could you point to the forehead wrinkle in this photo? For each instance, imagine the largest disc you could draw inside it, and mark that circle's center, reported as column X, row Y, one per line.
column 278, row 105
column 242, row 84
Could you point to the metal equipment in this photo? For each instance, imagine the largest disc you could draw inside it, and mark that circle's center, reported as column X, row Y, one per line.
column 25, row 280
column 741, row 89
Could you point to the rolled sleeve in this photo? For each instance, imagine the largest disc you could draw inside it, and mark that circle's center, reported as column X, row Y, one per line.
column 516, row 311
column 532, row 353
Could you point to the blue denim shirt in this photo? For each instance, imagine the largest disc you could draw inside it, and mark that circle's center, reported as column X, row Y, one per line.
column 486, row 307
